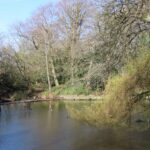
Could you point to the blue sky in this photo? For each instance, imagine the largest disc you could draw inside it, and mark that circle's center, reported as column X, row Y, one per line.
column 12, row 11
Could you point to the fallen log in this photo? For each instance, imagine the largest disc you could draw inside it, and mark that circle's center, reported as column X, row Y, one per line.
column 80, row 97
column 56, row 98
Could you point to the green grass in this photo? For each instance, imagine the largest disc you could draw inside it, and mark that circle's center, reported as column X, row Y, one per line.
column 71, row 90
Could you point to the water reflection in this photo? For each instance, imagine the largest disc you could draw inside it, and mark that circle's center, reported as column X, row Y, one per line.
column 34, row 127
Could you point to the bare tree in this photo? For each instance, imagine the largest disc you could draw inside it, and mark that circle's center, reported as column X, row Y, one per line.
column 119, row 26
column 72, row 15
column 45, row 21
column 40, row 33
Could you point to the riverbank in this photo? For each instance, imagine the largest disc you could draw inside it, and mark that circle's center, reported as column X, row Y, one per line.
column 55, row 98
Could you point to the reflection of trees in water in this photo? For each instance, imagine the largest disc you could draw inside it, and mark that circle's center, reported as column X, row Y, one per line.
column 50, row 106
column 27, row 109
column 9, row 112
column 93, row 139
column 6, row 112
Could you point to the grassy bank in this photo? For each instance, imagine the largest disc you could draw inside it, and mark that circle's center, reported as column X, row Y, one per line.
column 79, row 89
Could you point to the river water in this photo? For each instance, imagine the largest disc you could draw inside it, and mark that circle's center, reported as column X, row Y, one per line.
column 36, row 127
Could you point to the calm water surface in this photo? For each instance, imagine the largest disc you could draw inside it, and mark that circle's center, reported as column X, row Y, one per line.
column 38, row 128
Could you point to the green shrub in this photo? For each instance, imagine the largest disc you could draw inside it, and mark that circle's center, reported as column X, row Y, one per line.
column 118, row 99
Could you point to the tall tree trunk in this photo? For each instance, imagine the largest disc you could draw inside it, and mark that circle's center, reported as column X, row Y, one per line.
column 47, row 69
column 54, row 72
column 88, row 74
column 52, row 65
column 72, row 63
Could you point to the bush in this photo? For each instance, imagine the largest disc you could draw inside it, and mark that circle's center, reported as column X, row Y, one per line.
column 120, row 95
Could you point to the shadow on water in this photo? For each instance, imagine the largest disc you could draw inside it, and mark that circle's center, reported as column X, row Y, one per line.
column 35, row 127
